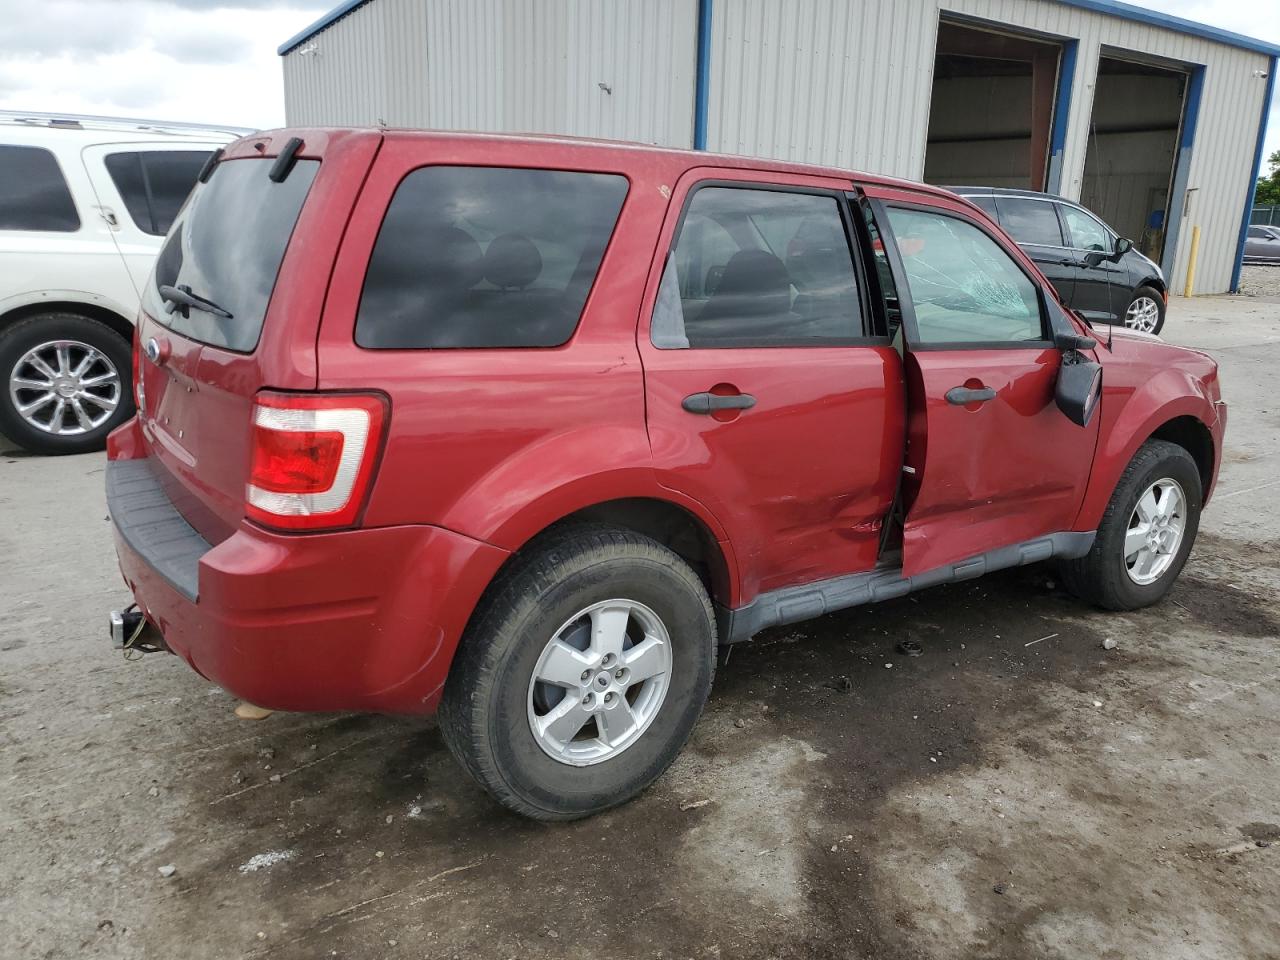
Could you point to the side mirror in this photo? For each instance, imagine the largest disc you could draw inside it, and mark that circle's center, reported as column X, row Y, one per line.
column 1079, row 388
column 1095, row 257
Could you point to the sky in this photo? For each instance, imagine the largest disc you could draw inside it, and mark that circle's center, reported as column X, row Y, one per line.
column 215, row 61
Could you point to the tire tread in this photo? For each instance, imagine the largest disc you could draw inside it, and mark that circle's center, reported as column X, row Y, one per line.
column 464, row 717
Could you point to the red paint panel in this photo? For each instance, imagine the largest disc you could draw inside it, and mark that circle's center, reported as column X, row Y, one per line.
column 801, row 480
column 355, row 620
column 995, row 473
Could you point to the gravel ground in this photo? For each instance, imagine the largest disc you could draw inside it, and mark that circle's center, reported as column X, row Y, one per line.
column 1017, row 791
column 1260, row 281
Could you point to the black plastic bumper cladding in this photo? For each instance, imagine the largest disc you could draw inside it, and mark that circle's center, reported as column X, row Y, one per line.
column 809, row 600
column 151, row 525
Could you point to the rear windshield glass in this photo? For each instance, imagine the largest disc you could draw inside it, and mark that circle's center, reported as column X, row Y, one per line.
column 486, row 257
column 225, row 248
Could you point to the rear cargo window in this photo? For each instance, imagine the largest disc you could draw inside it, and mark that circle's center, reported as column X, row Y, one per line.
column 486, row 257
column 226, row 247
column 154, row 183
column 33, row 192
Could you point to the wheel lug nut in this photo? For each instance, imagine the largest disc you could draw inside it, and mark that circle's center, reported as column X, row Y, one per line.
column 608, row 698
column 586, row 674
column 620, row 674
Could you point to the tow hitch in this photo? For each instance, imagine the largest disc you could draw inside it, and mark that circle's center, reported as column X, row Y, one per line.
column 133, row 633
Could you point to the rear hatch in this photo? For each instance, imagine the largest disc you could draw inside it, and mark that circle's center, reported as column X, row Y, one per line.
column 249, row 257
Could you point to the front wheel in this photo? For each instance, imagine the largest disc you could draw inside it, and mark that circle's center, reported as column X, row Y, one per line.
column 1146, row 533
column 66, row 383
column 582, row 674
column 1145, row 311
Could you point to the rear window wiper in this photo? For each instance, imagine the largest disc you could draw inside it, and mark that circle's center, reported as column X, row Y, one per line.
column 182, row 295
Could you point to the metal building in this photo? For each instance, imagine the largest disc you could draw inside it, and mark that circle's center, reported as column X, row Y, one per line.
column 1155, row 122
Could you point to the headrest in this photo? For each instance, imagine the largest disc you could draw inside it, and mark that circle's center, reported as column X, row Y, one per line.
column 512, row 261
column 455, row 259
column 756, row 273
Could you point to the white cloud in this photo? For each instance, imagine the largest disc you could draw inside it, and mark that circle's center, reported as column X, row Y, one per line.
column 215, row 60
column 1259, row 19
column 201, row 61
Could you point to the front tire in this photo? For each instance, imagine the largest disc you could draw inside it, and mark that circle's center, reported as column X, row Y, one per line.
column 1146, row 533
column 582, row 673
column 66, row 383
column 1145, row 311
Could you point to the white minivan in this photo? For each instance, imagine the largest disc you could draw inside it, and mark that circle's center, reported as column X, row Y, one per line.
column 85, row 203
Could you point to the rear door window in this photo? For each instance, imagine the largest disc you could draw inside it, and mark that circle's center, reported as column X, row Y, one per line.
column 154, row 184
column 33, row 192
column 1030, row 221
column 474, row 257
column 226, row 247
column 758, row 268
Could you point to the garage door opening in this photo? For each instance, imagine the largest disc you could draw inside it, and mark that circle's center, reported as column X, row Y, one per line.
column 992, row 108
column 1132, row 152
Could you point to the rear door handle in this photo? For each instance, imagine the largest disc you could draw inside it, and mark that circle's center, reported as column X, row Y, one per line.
column 711, row 402
column 963, row 395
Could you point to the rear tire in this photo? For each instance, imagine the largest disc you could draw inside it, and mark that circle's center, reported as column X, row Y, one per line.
column 1112, row 575
column 97, row 380
column 1145, row 311
column 564, row 593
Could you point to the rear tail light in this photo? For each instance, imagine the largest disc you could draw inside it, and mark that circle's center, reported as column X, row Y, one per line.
column 312, row 458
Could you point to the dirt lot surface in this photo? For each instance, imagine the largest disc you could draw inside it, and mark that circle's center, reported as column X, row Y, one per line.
column 1017, row 791
column 1260, row 280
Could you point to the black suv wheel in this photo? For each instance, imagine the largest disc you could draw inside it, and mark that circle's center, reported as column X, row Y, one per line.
column 1145, row 311
column 582, row 673
column 1146, row 532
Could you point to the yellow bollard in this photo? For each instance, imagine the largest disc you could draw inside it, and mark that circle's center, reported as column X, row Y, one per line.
column 1191, row 264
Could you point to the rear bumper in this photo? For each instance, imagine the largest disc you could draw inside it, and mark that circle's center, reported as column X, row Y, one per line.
column 352, row 620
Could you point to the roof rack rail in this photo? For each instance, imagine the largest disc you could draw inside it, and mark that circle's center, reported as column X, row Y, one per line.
column 76, row 121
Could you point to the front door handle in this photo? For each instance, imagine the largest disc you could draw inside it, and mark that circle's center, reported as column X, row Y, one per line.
column 963, row 395
column 711, row 402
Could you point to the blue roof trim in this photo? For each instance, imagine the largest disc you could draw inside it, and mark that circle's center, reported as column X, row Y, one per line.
column 1251, row 195
column 1127, row 11
column 702, row 78
column 337, row 13
column 1112, row 8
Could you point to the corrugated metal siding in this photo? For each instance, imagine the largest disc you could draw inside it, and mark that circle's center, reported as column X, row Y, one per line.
column 848, row 82
column 504, row 65
column 844, row 82
column 1222, row 156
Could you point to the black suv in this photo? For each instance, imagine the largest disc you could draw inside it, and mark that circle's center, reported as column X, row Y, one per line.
column 1097, row 273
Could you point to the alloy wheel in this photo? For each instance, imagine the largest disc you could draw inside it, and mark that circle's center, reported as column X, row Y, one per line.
column 65, row 387
column 1143, row 314
column 600, row 682
column 1155, row 532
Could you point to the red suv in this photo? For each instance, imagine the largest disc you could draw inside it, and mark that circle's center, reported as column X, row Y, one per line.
column 523, row 428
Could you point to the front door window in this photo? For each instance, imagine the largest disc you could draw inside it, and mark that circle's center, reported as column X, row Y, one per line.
column 964, row 287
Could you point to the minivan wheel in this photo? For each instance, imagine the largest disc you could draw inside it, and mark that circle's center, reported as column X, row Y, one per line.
column 1146, row 533
column 582, row 673
column 66, row 383
column 1145, row 311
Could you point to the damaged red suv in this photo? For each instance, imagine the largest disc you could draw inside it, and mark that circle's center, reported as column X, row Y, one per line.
column 522, row 429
